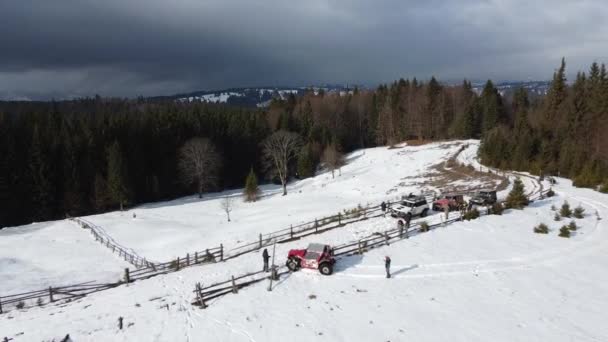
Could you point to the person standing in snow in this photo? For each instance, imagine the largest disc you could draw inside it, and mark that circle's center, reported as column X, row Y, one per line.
column 400, row 225
column 383, row 207
column 408, row 218
column 387, row 265
column 266, row 257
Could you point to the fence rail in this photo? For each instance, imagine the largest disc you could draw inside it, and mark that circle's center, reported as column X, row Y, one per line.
column 360, row 246
column 146, row 269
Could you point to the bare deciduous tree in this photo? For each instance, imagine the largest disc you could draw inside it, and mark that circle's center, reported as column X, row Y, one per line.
column 332, row 158
column 227, row 204
column 199, row 164
column 279, row 149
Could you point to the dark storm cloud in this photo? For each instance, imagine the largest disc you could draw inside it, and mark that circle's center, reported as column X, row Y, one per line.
column 125, row 48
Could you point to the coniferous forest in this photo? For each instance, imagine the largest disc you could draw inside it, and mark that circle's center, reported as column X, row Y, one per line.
column 96, row 154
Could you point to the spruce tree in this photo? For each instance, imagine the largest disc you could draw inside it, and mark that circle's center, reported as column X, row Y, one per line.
column 118, row 187
column 42, row 187
column 517, row 198
column 306, row 166
column 252, row 190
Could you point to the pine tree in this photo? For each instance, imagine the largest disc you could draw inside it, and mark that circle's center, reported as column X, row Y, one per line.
column 491, row 107
column 306, row 166
column 252, row 190
column 42, row 187
column 118, row 187
column 517, row 198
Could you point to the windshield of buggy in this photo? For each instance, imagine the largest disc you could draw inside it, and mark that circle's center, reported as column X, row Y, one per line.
column 313, row 251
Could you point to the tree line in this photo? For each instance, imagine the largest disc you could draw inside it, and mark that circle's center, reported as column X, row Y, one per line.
column 92, row 155
column 562, row 133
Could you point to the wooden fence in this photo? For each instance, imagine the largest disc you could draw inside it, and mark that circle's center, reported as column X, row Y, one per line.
column 204, row 294
column 100, row 235
column 146, row 269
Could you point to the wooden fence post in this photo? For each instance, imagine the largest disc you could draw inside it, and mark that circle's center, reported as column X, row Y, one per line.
column 291, row 230
column 316, row 226
column 196, row 257
column 177, row 264
column 0, row 305
column 221, row 252
column 127, row 276
column 360, row 249
column 187, row 259
column 339, row 219
column 51, row 294
column 234, row 288
column 199, row 294
column 260, row 240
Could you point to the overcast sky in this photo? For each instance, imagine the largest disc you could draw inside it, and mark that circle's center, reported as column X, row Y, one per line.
column 62, row 48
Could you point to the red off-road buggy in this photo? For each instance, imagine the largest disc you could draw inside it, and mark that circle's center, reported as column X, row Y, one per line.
column 316, row 256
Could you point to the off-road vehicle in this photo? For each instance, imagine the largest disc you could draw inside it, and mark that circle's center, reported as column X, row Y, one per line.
column 484, row 197
column 452, row 201
column 316, row 256
column 412, row 205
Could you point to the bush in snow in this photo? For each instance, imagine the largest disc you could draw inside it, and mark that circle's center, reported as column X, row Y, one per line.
column 564, row 232
column 471, row 214
column 572, row 226
column 541, row 229
column 550, row 193
column 517, row 198
column 39, row 302
column 579, row 212
column 424, row 226
column 557, row 217
column 20, row 305
column 565, row 211
column 497, row 208
column 553, row 208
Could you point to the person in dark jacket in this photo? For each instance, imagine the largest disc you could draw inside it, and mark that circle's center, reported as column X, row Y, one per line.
column 408, row 218
column 266, row 257
column 387, row 265
column 383, row 207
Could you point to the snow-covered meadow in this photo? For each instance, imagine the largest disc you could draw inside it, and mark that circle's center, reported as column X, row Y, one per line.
column 487, row 279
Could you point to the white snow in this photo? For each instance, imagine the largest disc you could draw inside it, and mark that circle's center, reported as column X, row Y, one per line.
column 57, row 253
column 491, row 279
column 164, row 231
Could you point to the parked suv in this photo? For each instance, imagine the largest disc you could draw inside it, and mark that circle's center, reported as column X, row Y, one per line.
column 452, row 201
column 484, row 197
column 412, row 205
column 315, row 256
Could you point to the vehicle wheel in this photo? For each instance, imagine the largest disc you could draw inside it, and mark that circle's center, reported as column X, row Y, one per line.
column 292, row 264
column 326, row 268
column 424, row 212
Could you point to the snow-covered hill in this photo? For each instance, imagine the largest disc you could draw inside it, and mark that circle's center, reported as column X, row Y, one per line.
column 491, row 279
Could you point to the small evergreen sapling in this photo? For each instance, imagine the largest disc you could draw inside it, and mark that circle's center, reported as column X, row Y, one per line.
column 579, row 212
column 550, row 193
column 424, row 226
column 517, row 198
column 557, row 217
column 565, row 211
column 572, row 226
column 541, row 229
column 564, row 232
column 252, row 190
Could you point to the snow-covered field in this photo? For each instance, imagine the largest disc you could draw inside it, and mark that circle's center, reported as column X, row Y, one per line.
column 490, row 279
column 164, row 231
column 56, row 253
